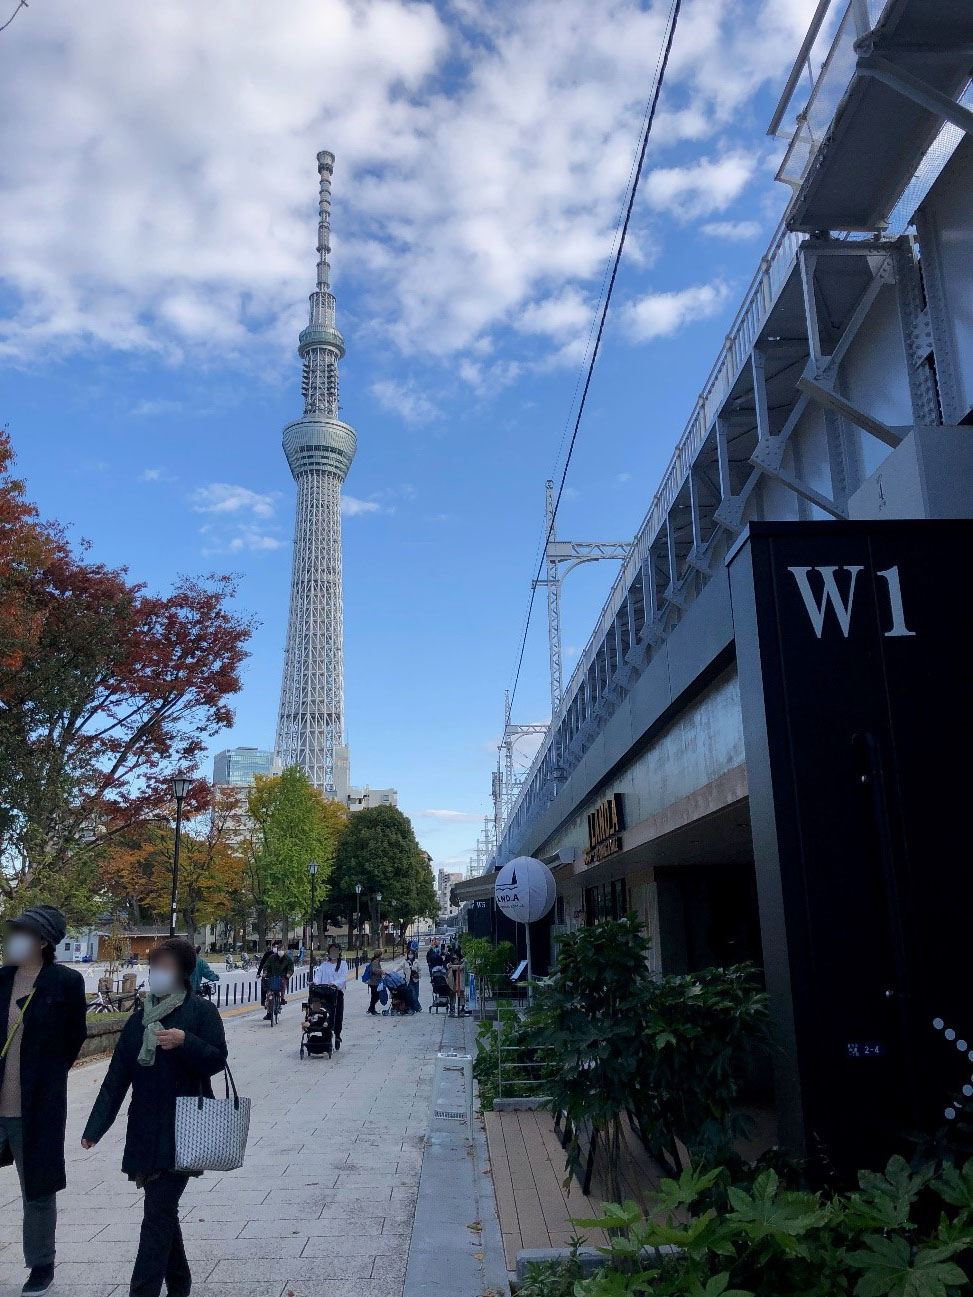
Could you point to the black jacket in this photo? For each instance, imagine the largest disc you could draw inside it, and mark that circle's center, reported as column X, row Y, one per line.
column 150, row 1141
column 54, row 1031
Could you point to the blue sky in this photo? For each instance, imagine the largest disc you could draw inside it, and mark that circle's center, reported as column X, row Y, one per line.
column 158, row 204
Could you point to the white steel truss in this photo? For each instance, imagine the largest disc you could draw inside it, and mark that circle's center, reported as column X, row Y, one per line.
column 319, row 449
column 568, row 554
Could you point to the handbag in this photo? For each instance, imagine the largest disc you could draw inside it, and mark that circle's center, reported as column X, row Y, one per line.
column 16, row 1027
column 211, row 1134
column 366, row 972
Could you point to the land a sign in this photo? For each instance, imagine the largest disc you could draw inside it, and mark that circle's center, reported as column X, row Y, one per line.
column 605, row 824
column 524, row 889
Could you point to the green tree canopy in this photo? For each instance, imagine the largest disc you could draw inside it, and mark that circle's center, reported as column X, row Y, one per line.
column 378, row 849
column 292, row 823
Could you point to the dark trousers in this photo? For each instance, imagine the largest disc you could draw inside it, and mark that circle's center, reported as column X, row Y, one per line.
column 161, row 1255
column 374, row 1000
column 339, row 1013
column 40, row 1214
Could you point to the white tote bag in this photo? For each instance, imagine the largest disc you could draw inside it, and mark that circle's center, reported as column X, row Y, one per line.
column 211, row 1134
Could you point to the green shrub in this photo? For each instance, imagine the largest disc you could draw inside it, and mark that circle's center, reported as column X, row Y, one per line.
column 903, row 1233
column 672, row 1052
column 551, row 1279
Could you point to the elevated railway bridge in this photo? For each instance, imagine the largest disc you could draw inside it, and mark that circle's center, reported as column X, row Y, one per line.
column 782, row 638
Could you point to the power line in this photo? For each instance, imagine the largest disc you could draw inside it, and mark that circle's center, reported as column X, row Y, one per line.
column 649, row 119
column 21, row 5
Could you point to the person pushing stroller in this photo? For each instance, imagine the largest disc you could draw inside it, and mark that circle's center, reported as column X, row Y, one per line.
column 333, row 972
column 317, row 1030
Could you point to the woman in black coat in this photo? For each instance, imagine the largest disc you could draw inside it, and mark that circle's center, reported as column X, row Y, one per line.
column 171, row 1046
column 42, row 1028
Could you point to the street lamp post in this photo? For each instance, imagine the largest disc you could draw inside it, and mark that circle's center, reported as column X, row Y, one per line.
column 180, row 786
column 312, row 869
column 357, row 924
column 378, row 898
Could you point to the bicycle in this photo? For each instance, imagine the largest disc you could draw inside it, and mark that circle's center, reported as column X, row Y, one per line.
column 273, row 998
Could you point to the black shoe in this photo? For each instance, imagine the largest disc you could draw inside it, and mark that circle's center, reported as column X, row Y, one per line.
column 266, row 1017
column 39, row 1280
column 337, row 1043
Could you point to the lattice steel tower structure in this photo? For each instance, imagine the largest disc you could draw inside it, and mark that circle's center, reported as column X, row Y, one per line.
column 319, row 449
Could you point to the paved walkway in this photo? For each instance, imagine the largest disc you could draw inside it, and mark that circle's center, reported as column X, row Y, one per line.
column 323, row 1206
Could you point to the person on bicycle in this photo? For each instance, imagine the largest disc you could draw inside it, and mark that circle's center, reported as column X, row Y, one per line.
column 276, row 964
column 333, row 971
column 201, row 973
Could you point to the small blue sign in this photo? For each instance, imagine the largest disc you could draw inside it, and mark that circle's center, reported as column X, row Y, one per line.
column 865, row 1049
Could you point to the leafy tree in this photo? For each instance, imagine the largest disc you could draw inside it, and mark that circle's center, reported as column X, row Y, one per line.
column 378, row 849
column 105, row 692
column 292, row 823
column 211, row 865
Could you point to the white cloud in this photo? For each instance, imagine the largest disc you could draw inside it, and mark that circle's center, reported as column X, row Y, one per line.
column 561, row 316
column 252, row 538
column 658, row 314
column 238, row 539
column 707, row 185
column 405, row 400
column 454, row 817
column 160, row 405
column 154, row 475
column 735, row 231
column 224, row 497
column 483, row 151
column 352, row 507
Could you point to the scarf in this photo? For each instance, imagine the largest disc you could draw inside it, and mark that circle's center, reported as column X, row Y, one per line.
column 153, row 1011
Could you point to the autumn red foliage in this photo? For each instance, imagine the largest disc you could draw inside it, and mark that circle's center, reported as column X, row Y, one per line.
column 106, row 691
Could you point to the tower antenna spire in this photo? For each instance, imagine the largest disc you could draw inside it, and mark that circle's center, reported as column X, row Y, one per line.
column 319, row 449
column 325, row 171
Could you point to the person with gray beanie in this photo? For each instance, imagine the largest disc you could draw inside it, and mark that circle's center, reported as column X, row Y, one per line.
column 42, row 1029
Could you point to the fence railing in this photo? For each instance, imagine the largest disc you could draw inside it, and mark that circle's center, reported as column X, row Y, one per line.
column 520, row 1076
column 229, row 995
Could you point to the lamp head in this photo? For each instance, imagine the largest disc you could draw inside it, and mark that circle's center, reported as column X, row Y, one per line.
column 180, row 786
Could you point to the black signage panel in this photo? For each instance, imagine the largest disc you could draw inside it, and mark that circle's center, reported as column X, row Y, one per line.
column 855, row 679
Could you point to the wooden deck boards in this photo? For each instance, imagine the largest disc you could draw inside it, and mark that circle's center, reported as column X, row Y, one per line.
column 528, row 1170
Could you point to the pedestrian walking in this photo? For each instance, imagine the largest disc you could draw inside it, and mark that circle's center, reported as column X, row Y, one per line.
column 456, row 975
column 375, row 976
column 333, row 971
column 171, row 1046
column 42, row 1012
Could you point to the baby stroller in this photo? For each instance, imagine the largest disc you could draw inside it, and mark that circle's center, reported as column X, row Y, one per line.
column 442, row 994
column 317, row 1036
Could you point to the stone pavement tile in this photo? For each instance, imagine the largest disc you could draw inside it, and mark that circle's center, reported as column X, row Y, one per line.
column 393, row 1266
column 228, row 1273
column 368, row 1243
column 341, row 1288
column 325, row 1227
column 127, row 1231
column 83, row 1274
column 245, row 1249
column 228, row 1211
column 11, row 1230
column 268, row 1288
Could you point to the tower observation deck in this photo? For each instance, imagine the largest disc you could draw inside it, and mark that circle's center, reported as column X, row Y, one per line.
column 319, row 449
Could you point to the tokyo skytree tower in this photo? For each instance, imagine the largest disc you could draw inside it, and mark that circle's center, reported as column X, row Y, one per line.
column 319, row 450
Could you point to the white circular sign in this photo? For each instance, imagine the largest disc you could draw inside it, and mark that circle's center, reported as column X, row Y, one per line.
column 525, row 889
